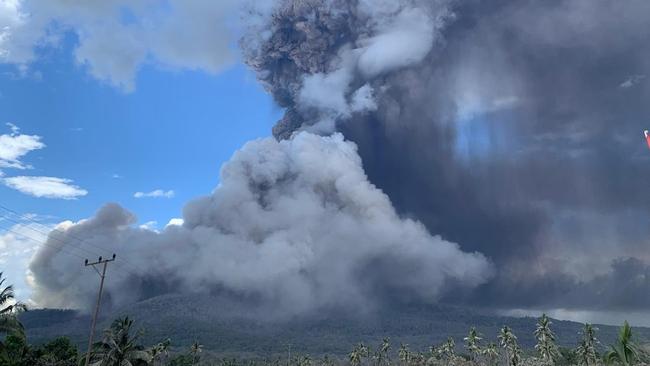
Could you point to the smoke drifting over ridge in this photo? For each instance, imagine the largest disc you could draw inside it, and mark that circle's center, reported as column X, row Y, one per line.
column 293, row 224
column 509, row 127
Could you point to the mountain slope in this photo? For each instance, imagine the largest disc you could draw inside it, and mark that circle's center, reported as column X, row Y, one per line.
column 225, row 327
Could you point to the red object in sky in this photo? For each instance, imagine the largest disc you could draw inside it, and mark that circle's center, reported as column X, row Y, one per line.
column 647, row 137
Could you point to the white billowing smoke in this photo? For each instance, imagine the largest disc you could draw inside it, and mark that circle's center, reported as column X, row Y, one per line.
column 329, row 62
column 404, row 41
column 399, row 36
column 294, row 223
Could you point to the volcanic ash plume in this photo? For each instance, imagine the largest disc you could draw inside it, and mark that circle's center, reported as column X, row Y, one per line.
column 507, row 127
column 295, row 224
column 326, row 61
column 513, row 128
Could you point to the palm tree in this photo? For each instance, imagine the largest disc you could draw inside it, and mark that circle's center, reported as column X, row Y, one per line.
column 381, row 355
column 420, row 358
column 358, row 353
column 508, row 341
column 404, row 354
column 545, row 340
column 515, row 359
column 364, row 350
column 195, row 350
column 505, row 339
column 160, row 351
column 355, row 357
column 449, row 348
column 472, row 343
column 305, row 361
column 586, row 350
column 624, row 350
column 491, row 353
column 9, row 309
column 119, row 348
column 327, row 361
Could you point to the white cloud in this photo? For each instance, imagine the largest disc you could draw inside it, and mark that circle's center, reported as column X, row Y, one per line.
column 117, row 36
column 176, row 221
column 14, row 128
column 13, row 37
column 14, row 146
column 149, row 225
column 20, row 238
column 47, row 187
column 158, row 193
column 17, row 246
column 632, row 81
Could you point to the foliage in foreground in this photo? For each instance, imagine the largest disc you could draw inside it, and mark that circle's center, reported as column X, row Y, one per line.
column 121, row 346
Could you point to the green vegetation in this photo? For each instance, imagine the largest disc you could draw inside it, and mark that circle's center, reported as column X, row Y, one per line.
column 624, row 351
column 9, row 323
column 8, row 309
column 120, row 347
column 123, row 344
column 472, row 344
column 586, row 351
column 545, row 337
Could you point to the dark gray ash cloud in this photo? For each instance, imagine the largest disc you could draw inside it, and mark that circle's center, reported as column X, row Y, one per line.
column 511, row 128
column 518, row 134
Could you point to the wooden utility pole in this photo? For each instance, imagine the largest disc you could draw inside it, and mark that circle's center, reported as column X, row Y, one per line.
column 289, row 357
column 102, row 275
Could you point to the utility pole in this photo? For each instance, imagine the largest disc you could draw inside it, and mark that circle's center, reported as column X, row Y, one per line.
column 102, row 275
column 289, row 356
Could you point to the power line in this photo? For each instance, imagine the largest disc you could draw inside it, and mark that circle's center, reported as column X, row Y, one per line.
column 62, row 247
column 40, row 242
column 47, row 234
column 49, row 229
column 70, row 235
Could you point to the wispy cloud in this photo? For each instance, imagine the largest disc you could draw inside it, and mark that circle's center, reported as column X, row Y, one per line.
column 150, row 225
column 632, row 81
column 46, row 187
column 175, row 222
column 158, row 193
column 14, row 145
column 187, row 34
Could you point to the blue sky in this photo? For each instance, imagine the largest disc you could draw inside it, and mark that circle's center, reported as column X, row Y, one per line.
column 172, row 132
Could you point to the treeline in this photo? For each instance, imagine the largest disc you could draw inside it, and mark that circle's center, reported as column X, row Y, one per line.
column 121, row 344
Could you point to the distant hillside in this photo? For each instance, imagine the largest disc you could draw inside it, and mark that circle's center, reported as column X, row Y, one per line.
column 212, row 322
